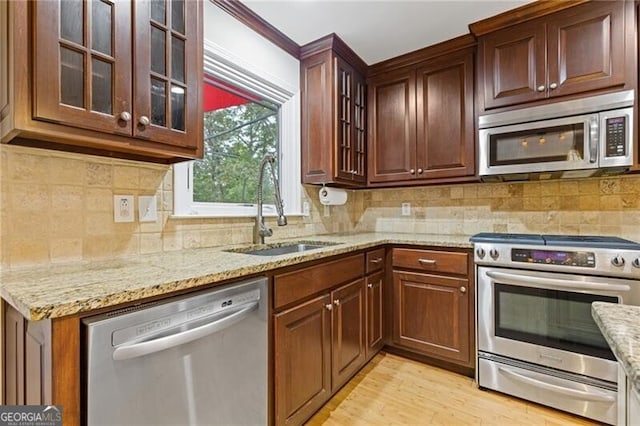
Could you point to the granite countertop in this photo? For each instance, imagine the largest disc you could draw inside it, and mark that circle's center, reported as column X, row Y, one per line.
column 620, row 325
column 58, row 290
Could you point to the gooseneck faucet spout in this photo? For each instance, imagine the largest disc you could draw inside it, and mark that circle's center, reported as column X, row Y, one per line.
column 260, row 230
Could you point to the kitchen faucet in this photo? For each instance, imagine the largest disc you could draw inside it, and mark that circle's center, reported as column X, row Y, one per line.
column 259, row 229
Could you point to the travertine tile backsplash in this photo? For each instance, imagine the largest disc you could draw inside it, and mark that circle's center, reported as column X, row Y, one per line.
column 58, row 207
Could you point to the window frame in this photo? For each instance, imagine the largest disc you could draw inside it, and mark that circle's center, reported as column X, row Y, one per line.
column 224, row 66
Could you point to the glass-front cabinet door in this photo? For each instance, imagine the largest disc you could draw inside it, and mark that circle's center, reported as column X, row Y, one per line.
column 82, row 64
column 166, row 71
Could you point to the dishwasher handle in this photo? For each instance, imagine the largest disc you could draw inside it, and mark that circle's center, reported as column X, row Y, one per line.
column 144, row 348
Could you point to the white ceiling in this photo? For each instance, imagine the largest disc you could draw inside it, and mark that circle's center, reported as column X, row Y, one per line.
column 378, row 29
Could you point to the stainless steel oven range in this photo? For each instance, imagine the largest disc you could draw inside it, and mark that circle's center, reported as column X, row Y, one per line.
column 536, row 338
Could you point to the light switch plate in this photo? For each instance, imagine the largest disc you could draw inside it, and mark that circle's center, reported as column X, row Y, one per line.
column 123, row 208
column 147, row 208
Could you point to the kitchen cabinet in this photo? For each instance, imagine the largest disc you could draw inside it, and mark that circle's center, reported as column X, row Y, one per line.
column 110, row 78
column 576, row 50
column 319, row 344
column 375, row 278
column 333, row 114
column 421, row 118
column 633, row 406
column 433, row 300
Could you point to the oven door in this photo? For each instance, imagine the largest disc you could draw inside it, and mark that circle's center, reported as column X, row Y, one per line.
column 545, row 318
column 569, row 143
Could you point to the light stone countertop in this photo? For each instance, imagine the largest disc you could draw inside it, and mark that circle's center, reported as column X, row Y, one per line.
column 54, row 291
column 620, row 326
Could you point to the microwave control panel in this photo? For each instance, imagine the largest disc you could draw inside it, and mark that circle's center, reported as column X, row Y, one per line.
column 615, row 135
column 555, row 257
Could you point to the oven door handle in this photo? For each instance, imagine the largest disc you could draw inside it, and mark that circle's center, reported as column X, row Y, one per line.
column 572, row 393
column 554, row 283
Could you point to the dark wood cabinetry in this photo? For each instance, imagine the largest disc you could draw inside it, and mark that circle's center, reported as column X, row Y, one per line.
column 91, row 93
column 421, row 121
column 575, row 50
column 433, row 296
column 333, row 113
column 375, row 278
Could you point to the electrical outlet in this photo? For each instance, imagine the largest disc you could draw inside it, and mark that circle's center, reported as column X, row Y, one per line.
column 147, row 208
column 327, row 211
column 305, row 208
column 406, row 209
column 123, row 208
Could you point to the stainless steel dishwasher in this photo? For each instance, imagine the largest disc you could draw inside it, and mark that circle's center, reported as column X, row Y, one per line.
column 198, row 359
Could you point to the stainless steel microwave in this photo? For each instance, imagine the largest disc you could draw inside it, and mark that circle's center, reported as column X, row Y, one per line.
column 577, row 138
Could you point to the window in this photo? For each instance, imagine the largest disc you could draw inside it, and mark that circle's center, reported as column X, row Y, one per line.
column 246, row 117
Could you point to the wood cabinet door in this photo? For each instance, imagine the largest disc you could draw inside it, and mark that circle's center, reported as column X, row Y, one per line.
column 302, row 342
column 431, row 315
column 317, row 122
column 14, row 357
column 168, row 72
column 359, row 129
column 345, row 120
column 82, row 64
column 586, row 46
column 349, row 316
column 444, row 100
column 392, row 127
column 374, row 313
column 513, row 65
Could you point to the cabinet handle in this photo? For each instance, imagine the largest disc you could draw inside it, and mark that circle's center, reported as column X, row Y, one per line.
column 427, row 261
column 329, row 306
column 370, row 285
column 144, row 121
column 125, row 116
column 412, row 171
column 420, row 171
column 553, row 86
column 376, row 261
column 463, row 289
column 541, row 88
column 336, row 302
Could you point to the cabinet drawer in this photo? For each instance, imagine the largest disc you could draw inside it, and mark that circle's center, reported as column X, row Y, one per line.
column 374, row 261
column 431, row 260
column 297, row 285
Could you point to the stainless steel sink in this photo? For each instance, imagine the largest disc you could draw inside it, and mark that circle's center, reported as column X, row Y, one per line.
column 278, row 249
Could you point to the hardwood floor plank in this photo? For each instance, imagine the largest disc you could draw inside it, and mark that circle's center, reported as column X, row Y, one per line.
column 392, row 390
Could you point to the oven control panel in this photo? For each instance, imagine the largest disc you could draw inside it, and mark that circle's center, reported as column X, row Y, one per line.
column 581, row 259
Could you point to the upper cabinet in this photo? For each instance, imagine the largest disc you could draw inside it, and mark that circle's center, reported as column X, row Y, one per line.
column 421, row 117
column 580, row 49
column 112, row 78
column 333, row 113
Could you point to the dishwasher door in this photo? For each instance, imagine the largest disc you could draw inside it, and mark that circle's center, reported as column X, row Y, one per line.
column 199, row 359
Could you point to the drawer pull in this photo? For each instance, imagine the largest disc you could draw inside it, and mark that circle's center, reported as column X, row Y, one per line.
column 376, row 261
column 430, row 262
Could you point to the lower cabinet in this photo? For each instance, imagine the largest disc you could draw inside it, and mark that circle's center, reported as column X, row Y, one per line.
column 433, row 309
column 319, row 346
column 375, row 340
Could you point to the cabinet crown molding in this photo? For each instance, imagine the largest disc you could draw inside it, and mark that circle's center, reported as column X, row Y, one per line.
column 335, row 43
column 521, row 14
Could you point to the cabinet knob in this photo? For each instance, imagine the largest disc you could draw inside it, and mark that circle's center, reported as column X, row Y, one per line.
column 336, row 302
column 463, row 289
column 420, row 171
column 370, row 285
column 412, row 171
column 329, row 306
column 125, row 116
column 541, row 88
column 553, row 86
column 144, row 121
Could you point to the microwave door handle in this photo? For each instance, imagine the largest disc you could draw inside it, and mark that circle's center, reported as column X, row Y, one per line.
column 555, row 283
column 593, row 139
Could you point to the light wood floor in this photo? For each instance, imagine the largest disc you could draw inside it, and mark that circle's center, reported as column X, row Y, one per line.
column 391, row 391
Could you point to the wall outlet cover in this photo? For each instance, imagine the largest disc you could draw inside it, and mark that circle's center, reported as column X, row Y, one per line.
column 147, row 208
column 406, row 209
column 123, row 208
column 305, row 209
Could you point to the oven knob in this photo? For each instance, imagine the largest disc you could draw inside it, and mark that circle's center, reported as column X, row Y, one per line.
column 494, row 254
column 480, row 253
column 636, row 262
column 617, row 261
